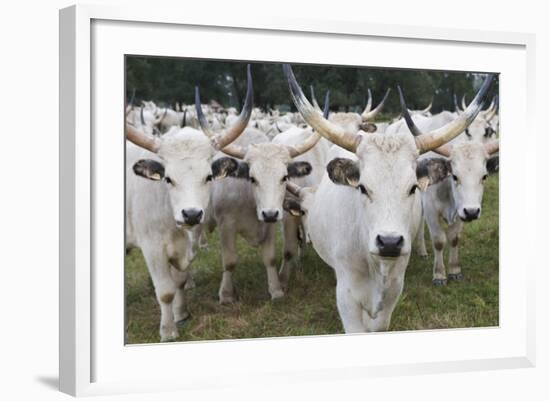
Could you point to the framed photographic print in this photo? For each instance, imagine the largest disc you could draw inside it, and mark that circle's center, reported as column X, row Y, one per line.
column 328, row 204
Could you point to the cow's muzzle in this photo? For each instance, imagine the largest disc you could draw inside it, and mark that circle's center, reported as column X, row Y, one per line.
column 192, row 216
column 470, row 213
column 389, row 245
column 270, row 216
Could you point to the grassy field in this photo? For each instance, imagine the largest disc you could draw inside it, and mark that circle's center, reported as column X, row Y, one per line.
column 309, row 308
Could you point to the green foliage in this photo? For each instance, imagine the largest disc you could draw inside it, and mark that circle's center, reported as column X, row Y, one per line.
column 309, row 308
column 167, row 80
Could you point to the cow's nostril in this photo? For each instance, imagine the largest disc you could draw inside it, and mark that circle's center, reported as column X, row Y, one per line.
column 270, row 216
column 471, row 213
column 192, row 216
column 389, row 245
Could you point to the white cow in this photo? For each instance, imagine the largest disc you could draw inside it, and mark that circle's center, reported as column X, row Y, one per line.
column 364, row 225
column 251, row 200
column 457, row 199
column 168, row 185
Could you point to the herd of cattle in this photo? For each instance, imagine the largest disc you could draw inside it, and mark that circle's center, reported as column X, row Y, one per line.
column 357, row 191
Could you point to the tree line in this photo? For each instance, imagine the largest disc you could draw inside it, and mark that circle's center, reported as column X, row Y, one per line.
column 169, row 80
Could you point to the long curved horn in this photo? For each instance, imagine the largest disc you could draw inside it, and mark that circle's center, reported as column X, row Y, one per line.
column 141, row 116
column 492, row 147
column 406, row 115
column 326, row 108
column 141, row 139
column 458, row 110
column 427, row 109
column 235, row 151
column 184, row 119
column 436, row 138
column 205, row 127
column 220, row 141
column 369, row 103
column 330, row 131
column 490, row 108
column 488, row 116
column 311, row 140
column 231, row 149
column 371, row 114
column 302, row 148
column 314, row 100
column 463, row 102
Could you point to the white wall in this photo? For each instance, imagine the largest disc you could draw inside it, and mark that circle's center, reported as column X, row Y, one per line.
column 28, row 200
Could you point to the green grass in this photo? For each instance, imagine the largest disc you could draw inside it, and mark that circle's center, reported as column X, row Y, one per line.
column 309, row 308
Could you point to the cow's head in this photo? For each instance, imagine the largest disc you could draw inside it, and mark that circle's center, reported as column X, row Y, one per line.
column 185, row 167
column 268, row 167
column 470, row 164
column 184, row 163
column 385, row 174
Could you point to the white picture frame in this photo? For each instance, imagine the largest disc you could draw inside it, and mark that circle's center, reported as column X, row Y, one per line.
column 92, row 363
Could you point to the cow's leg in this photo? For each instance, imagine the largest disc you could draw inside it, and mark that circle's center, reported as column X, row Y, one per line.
column 453, row 236
column 381, row 321
column 228, row 237
column 291, row 225
column 420, row 241
column 439, row 239
column 179, row 307
column 349, row 309
column 268, row 257
column 165, row 290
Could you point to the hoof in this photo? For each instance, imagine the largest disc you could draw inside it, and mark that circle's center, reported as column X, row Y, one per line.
column 169, row 336
column 180, row 323
column 189, row 284
column 455, row 277
column 439, row 282
column 227, row 300
column 423, row 257
column 277, row 295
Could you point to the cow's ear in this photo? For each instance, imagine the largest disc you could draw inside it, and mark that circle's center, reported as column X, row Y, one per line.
column 344, row 171
column 299, row 169
column 368, row 127
column 293, row 207
column 492, row 165
column 223, row 167
column 150, row 169
column 431, row 171
column 242, row 171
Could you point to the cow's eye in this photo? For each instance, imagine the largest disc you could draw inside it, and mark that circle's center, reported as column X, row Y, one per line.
column 168, row 180
column 285, row 178
column 253, row 180
column 455, row 178
column 413, row 189
column 208, row 178
column 484, row 177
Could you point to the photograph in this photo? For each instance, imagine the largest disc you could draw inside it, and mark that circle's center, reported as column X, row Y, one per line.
column 283, row 199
